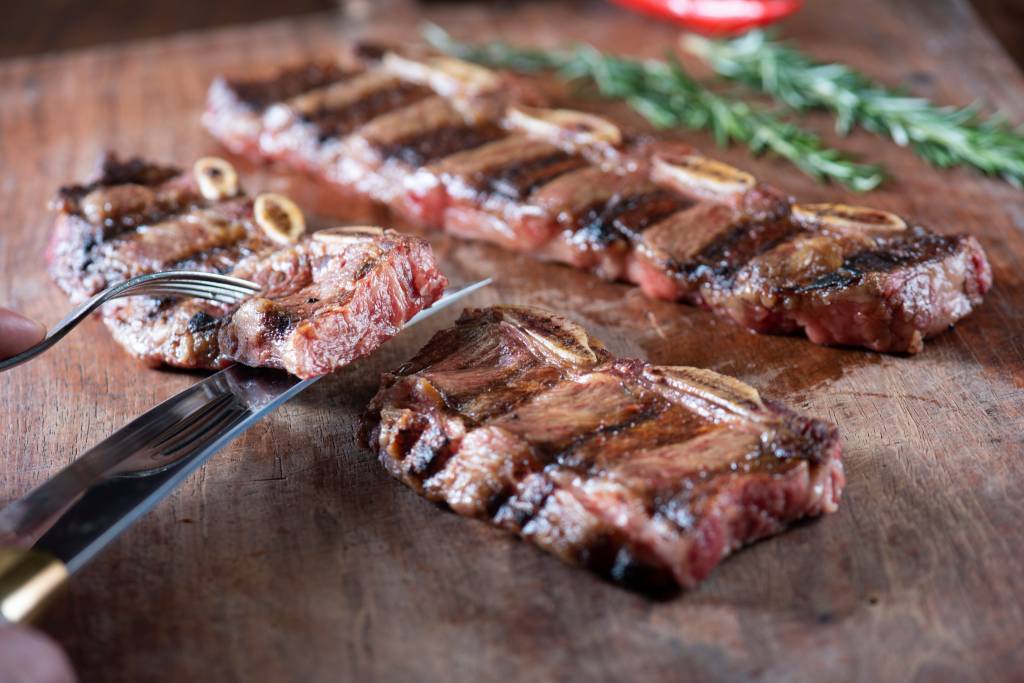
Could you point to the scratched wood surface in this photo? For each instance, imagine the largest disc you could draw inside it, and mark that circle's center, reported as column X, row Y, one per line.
column 292, row 556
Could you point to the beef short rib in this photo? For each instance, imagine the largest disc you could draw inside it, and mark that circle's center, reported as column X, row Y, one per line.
column 454, row 146
column 326, row 300
column 648, row 475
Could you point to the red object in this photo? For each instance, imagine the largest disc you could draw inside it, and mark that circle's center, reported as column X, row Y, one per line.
column 717, row 16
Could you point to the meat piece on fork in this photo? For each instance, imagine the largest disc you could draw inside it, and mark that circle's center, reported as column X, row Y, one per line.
column 326, row 299
column 648, row 475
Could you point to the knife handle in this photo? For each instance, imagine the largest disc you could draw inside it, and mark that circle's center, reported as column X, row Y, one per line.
column 29, row 581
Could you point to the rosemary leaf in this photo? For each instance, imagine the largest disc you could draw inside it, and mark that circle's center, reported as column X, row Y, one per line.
column 668, row 97
column 944, row 136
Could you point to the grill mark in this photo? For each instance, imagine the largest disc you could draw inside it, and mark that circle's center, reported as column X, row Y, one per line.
column 126, row 225
column 202, row 322
column 606, row 221
column 545, row 456
column 661, row 437
column 335, row 122
column 884, row 259
column 427, row 459
column 837, row 279
column 719, row 261
column 518, row 179
column 160, row 307
column 422, row 444
column 276, row 322
column 424, row 148
column 524, row 504
column 119, row 218
column 221, row 259
column 782, row 452
column 628, row 570
column 458, row 403
column 258, row 95
column 651, row 407
column 496, row 502
column 564, row 455
column 522, row 395
column 645, row 210
column 677, row 506
column 114, row 171
column 654, row 408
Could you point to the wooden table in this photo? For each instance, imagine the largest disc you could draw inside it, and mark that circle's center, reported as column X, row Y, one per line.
column 292, row 556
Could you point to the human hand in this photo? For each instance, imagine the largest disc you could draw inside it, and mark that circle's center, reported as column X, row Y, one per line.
column 26, row 655
column 17, row 333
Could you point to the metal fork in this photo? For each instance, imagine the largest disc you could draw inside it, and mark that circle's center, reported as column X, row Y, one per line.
column 198, row 285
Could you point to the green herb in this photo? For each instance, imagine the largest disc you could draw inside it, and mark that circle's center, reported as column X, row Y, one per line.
column 945, row 136
column 668, row 97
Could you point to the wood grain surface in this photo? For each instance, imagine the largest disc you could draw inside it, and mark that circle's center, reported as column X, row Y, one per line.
column 292, row 556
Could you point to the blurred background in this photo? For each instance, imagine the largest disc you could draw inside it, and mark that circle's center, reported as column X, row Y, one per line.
column 37, row 26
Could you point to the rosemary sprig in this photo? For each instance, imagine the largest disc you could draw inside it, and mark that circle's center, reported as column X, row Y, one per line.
column 944, row 136
column 668, row 97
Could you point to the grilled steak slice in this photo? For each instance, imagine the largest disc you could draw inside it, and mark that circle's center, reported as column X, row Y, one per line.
column 139, row 217
column 451, row 145
column 243, row 101
column 345, row 292
column 327, row 300
column 647, row 475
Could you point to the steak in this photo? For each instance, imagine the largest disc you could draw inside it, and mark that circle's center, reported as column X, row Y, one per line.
column 647, row 475
column 326, row 300
column 453, row 146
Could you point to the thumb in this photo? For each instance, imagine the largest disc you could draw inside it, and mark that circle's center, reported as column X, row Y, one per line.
column 17, row 333
column 28, row 656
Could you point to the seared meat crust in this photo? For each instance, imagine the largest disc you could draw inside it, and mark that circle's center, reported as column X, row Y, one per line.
column 648, row 475
column 445, row 159
column 331, row 298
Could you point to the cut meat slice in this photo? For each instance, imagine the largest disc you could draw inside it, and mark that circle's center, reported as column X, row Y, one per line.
column 346, row 291
column 647, row 475
column 467, row 156
column 327, row 300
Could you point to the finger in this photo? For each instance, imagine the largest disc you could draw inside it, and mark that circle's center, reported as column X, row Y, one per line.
column 17, row 333
column 28, row 656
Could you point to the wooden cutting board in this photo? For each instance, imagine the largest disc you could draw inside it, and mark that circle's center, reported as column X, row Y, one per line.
column 292, row 556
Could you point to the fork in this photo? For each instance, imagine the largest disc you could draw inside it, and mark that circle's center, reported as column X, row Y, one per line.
column 210, row 286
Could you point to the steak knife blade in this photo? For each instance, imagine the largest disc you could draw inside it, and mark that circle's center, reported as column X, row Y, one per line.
column 57, row 528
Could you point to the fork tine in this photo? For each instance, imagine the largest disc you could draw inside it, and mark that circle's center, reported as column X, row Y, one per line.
column 203, row 294
column 215, row 291
column 194, row 278
column 183, row 292
column 247, row 291
column 203, row 279
column 187, row 288
column 197, row 276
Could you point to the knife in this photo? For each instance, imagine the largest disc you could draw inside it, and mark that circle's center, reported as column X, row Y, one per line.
column 56, row 529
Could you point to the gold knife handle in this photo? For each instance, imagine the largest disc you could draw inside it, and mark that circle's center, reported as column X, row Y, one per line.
column 29, row 581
